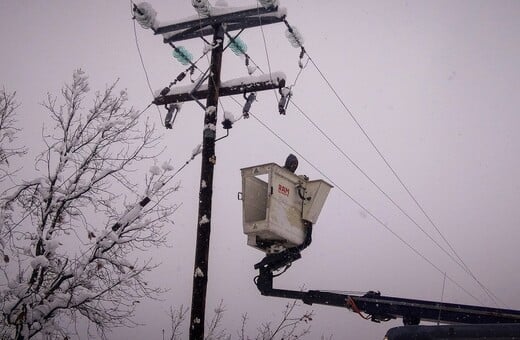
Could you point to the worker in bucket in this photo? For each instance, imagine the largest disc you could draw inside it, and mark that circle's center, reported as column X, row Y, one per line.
column 291, row 163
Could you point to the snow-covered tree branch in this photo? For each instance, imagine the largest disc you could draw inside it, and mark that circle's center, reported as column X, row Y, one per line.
column 72, row 238
column 292, row 324
column 8, row 130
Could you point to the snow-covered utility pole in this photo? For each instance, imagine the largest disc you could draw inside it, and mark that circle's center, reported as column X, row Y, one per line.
column 200, row 277
column 217, row 22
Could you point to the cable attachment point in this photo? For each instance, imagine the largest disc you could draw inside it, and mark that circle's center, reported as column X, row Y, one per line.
column 165, row 91
column 182, row 55
column 145, row 14
column 296, row 39
column 203, row 7
column 302, row 54
column 137, row 10
column 192, row 72
column 228, row 121
column 173, row 110
column 238, row 46
column 285, row 97
column 268, row 3
column 180, row 77
column 250, row 68
column 247, row 106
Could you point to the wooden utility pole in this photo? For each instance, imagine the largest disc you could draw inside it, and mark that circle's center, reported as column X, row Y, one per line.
column 200, row 280
column 218, row 26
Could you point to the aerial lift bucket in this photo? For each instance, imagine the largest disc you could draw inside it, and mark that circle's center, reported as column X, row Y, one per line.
column 278, row 205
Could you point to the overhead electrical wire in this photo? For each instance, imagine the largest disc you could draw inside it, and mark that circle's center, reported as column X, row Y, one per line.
column 190, row 69
column 265, row 48
column 335, row 145
column 357, row 166
column 374, row 146
column 141, row 58
column 144, row 67
column 247, row 56
column 466, row 268
column 378, row 220
column 462, row 264
column 381, row 190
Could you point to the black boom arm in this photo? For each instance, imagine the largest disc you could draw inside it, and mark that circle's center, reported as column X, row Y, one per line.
column 376, row 306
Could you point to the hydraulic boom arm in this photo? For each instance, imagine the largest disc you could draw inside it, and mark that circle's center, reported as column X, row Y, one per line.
column 378, row 307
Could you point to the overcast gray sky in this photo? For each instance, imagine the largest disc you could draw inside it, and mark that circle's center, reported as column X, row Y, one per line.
column 434, row 84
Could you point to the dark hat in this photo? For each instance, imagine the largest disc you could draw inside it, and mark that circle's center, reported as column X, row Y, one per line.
column 291, row 163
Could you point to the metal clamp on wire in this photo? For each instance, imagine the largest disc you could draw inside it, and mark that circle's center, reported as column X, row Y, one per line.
column 285, row 96
column 247, row 106
column 173, row 110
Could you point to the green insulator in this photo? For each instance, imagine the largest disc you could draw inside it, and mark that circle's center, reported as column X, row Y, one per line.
column 182, row 55
column 238, row 46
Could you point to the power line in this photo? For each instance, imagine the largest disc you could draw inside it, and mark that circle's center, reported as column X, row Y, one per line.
column 247, row 56
column 417, row 252
column 332, row 88
column 460, row 261
column 462, row 264
column 345, row 155
column 142, row 60
column 466, row 268
column 265, row 47
column 144, row 67
column 340, row 150
column 378, row 220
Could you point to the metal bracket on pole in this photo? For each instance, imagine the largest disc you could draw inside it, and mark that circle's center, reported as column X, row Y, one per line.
column 200, row 27
column 229, row 88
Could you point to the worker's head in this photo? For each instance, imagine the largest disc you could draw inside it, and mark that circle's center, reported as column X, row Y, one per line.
column 291, row 163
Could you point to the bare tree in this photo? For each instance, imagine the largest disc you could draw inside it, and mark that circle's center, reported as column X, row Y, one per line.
column 74, row 238
column 8, row 131
column 291, row 325
column 177, row 318
column 214, row 331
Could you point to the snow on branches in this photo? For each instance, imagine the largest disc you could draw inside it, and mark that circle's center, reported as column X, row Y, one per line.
column 69, row 250
column 8, row 130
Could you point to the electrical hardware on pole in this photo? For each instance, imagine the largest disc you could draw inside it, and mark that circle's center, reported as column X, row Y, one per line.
column 218, row 26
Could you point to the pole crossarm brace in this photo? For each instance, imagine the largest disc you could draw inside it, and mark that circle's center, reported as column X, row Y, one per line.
column 194, row 28
column 227, row 88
